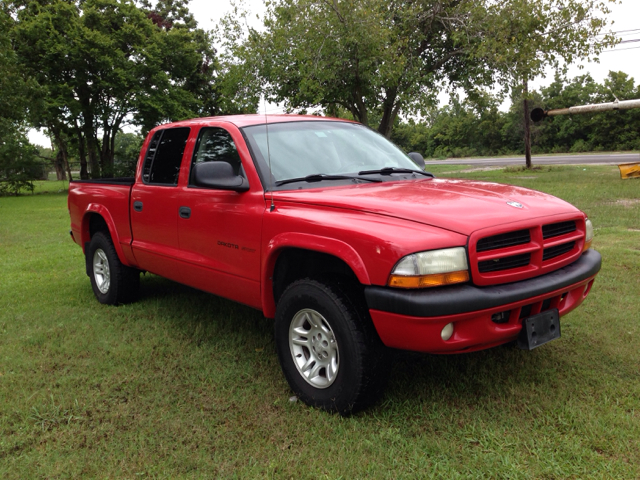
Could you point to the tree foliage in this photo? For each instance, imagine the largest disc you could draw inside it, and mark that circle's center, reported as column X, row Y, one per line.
column 379, row 59
column 18, row 164
column 105, row 63
column 525, row 37
column 472, row 128
column 126, row 153
column 372, row 58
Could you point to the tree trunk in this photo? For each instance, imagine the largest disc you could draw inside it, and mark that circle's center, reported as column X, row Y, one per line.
column 82, row 153
column 93, row 154
column 68, row 167
column 106, row 152
column 58, row 164
column 527, row 125
column 61, row 157
column 389, row 115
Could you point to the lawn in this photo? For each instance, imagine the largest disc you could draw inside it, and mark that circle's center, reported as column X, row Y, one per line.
column 183, row 384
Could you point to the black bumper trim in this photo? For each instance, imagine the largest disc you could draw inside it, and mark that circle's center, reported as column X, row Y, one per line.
column 468, row 298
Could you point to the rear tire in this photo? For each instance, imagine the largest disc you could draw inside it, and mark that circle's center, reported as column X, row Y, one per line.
column 113, row 283
column 328, row 349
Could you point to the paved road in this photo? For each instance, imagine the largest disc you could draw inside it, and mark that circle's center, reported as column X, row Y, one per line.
column 613, row 158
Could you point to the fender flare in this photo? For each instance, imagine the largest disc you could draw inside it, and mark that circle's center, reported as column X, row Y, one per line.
column 95, row 208
column 305, row 241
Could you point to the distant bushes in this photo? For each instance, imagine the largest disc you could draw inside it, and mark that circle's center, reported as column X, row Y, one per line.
column 475, row 127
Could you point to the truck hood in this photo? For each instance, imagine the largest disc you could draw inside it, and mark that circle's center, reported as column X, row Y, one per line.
column 461, row 206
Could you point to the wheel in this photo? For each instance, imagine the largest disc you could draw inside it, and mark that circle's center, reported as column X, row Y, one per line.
column 113, row 283
column 328, row 348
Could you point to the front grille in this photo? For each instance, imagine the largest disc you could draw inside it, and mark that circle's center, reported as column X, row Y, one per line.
column 557, row 229
column 503, row 240
column 497, row 256
column 504, row 263
column 553, row 252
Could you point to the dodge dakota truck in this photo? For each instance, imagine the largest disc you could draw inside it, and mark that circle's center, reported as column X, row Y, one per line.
column 341, row 238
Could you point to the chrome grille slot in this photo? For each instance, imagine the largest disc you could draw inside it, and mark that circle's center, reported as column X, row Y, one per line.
column 556, row 229
column 504, row 263
column 503, row 240
column 553, row 252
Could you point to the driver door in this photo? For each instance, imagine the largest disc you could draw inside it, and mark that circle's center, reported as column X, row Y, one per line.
column 219, row 230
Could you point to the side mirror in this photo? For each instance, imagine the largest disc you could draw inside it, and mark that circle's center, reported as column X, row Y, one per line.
column 218, row 175
column 417, row 159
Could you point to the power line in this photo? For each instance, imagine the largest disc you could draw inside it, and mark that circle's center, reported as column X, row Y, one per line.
column 619, row 31
column 620, row 49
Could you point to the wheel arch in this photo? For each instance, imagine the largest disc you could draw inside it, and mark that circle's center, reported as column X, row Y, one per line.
column 292, row 256
column 98, row 219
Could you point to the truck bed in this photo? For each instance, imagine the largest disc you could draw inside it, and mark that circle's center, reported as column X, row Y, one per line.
column 109, row 181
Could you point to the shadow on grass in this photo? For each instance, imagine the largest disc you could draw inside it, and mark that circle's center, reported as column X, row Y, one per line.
column 202, row 316
column 461, row 380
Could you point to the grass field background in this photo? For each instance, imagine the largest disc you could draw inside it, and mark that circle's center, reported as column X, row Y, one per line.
column 183, row 384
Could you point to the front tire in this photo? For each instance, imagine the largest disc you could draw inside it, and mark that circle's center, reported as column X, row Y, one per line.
column 113, row 283
column 328, row 348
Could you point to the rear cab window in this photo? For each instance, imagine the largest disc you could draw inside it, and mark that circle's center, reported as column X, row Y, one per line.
column 164, row 156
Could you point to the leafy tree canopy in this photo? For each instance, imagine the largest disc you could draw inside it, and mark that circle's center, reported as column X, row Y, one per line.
column 18, row 165
column 382, row 58
column 470, row 128
column 104, row 63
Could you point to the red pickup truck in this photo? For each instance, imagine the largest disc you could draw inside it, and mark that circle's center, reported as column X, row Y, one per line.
column 330, row 229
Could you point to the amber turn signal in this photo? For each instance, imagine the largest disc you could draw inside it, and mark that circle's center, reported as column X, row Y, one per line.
column 424, row 281
column 588, row 238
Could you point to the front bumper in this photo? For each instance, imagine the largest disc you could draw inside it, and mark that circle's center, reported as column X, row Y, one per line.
column 413, row 320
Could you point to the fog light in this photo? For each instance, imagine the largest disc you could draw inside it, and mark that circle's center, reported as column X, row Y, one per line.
column 447, row 331
column 502, row 317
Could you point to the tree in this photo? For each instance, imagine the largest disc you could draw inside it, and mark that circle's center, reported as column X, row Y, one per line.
column 126, row 152
column 106, row 63
column 374, row 58
column 524, row 37
column 477, row 127
column 18, row 164
column 383, row 58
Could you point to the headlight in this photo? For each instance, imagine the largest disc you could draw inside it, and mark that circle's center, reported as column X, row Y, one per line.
column 588, row 235
column 431, row 269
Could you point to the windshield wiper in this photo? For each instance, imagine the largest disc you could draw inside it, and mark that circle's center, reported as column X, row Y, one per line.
column 319, row 177
column 390, row 170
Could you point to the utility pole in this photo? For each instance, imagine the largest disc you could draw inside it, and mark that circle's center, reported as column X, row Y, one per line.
column 527, row 124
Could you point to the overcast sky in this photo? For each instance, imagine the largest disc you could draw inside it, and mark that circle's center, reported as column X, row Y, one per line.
column 625, row 57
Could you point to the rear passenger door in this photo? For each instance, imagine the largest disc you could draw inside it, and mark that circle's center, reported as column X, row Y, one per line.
column 154, row 203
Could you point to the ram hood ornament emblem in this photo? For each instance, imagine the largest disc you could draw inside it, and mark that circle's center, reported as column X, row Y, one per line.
column 515, row 204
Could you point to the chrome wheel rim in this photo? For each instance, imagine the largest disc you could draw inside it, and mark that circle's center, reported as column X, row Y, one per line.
column 101, row 272
column 314, row 348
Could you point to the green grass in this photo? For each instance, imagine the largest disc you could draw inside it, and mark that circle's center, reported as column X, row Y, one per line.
column 184, row 384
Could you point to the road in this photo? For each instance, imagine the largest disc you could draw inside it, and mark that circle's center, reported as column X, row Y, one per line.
column 582, row 159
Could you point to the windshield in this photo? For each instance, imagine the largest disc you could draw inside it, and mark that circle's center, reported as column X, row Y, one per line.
column 301, row 149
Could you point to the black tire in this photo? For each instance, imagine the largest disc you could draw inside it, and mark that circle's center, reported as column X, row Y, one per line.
column 113, row 283
column 339, row 364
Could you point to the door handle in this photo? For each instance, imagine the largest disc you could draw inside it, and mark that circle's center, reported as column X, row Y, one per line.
column 137, row 206
column 185, row 212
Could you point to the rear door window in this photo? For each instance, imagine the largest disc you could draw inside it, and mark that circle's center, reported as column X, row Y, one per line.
column 164, row 156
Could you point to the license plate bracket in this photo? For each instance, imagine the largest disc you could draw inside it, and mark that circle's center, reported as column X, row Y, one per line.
column 539, row 329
